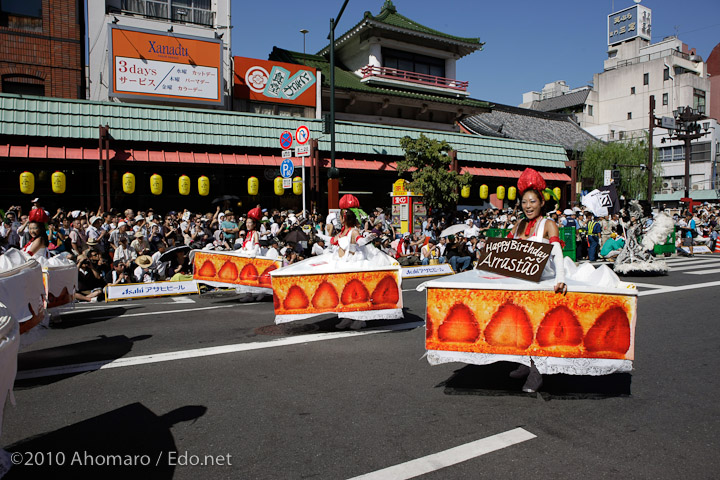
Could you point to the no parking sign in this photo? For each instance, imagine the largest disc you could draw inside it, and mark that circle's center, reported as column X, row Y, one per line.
column 286, row 140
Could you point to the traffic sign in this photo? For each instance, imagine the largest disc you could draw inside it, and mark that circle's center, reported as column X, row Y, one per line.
column 302, row 151
column 287, row 154
column 287, row 168
column 302, row 134
column 286, row 140
column 287, row 182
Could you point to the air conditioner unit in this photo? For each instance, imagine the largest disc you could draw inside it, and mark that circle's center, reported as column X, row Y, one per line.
column 667, row 184
column 696, row 187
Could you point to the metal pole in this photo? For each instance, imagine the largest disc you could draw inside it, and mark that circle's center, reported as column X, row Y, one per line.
column 101, row 167
column 687, row 166
column 650, row 151
column 303, row 184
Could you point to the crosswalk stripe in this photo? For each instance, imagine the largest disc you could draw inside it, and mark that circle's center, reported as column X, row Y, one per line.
column 704, row 272
column 673, row 268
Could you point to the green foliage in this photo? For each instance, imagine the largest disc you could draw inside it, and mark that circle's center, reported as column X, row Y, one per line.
column 600, row 156
column 428, row 162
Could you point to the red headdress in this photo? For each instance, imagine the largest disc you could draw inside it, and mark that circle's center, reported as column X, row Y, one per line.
column 349, row 201
column 38, row 215
column 255, row 214
column 530, row 179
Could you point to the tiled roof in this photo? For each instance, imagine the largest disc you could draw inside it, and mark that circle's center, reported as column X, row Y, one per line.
column 347, row 80
column 523, row 124
column 37, row 120
column 561, row 102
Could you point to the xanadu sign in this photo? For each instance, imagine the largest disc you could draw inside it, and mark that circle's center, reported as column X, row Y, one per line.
column 275, row 82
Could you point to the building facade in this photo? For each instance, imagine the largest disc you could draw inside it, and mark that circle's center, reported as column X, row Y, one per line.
column 42, row 48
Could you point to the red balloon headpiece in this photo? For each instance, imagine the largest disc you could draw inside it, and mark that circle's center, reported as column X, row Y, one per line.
column 349, row 201
column 38, row 215
column 255, row 214
column 530, row 179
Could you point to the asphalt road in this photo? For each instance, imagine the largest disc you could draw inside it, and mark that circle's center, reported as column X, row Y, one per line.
column 145, row 382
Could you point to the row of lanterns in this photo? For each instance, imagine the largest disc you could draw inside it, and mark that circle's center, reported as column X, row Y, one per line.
column 500, row 192
column 297, row 186
column 156, row 184
column 57, row 180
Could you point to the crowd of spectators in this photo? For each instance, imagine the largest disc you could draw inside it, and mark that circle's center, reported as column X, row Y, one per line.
column 119, row 247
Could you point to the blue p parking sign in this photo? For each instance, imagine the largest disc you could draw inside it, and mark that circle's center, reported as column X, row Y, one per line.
column 287, row 168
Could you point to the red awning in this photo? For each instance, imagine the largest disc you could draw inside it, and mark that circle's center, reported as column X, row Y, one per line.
column 161, row 156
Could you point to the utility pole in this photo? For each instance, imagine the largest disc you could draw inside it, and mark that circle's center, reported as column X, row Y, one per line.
column 333, row 173
column 688, row 129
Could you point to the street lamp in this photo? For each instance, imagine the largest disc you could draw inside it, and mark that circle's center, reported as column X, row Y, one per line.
column 304, row 32
column 687, row 129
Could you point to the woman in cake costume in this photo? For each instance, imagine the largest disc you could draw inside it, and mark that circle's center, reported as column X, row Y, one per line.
column 575, row 320
column 537, row 228
column 251, row 243
column 353, row 278
column 38, row 243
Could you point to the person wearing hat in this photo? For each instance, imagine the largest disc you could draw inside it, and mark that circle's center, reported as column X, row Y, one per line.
column 229, row 229
column 251, row 243
column 124, row 252
column 96, row 233
column 536, row 228
column 90, row 281
column 140, row 244
column 273, row 252
column 38, row 242
column 142, row 273
column 318, row 247
column 119, row 232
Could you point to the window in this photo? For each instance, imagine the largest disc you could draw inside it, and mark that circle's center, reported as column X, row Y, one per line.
column 413, row 62
column 632, row 90
column 621, row 135
column 699, row 100
column 646, row 79
column 21, row 14
column 700, row 152
column 665, row 98
column 590, row 110
column 629, row 115
column 672, row 154
column 612, row 134
column 190, row 11
column 666, row 73
column 23, row 84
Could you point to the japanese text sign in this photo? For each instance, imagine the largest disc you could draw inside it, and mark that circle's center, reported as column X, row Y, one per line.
column 275, row 82
column 172, row 67
column 155, row 289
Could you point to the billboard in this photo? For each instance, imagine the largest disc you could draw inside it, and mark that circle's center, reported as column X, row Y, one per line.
column 145, row 64
column 276, row 82
column 629, row 23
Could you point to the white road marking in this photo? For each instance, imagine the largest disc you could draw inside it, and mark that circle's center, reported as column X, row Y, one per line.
column 205, row 352
column 704, row 272
column 695, row 265
column 452, row 456
column 182, row 300
column 678, row 289
column 690, row 259
column 648, row 285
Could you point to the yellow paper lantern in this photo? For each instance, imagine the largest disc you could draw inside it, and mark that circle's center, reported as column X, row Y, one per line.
column 512, row 193
column 557, row 192
column 500, row 192
column 254, row 186
column 465, row 191
column 128, row 182
column 27, row 182
column 546, row 195
column 203, row 186
column 297, row 185
column 156, row 184
column 184, row 185
column 58, row 182
column 484, row 191
column 278, row 186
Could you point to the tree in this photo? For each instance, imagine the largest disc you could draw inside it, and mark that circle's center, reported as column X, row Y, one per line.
column 428, row 162
column 600, row 156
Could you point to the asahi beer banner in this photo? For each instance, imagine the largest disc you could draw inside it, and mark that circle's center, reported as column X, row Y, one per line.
column 153, row 289
column 524, row 322
column 427, row 270
column 175, row 67
column 514, row 258
column 276, row 82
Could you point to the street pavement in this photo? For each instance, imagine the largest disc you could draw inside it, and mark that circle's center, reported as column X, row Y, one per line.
column 207, row 387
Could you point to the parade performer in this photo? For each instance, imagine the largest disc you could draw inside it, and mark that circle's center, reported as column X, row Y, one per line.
column 573, row 320
column 245, row 269
column 38, row 243
column 353, row 278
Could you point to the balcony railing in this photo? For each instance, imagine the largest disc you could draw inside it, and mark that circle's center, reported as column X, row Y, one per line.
column 413, row 77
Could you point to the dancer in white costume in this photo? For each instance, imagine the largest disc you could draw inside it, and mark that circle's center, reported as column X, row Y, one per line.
column 349, row 251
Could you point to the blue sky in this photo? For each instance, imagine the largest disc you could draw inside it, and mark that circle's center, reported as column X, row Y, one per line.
column 527, row 43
